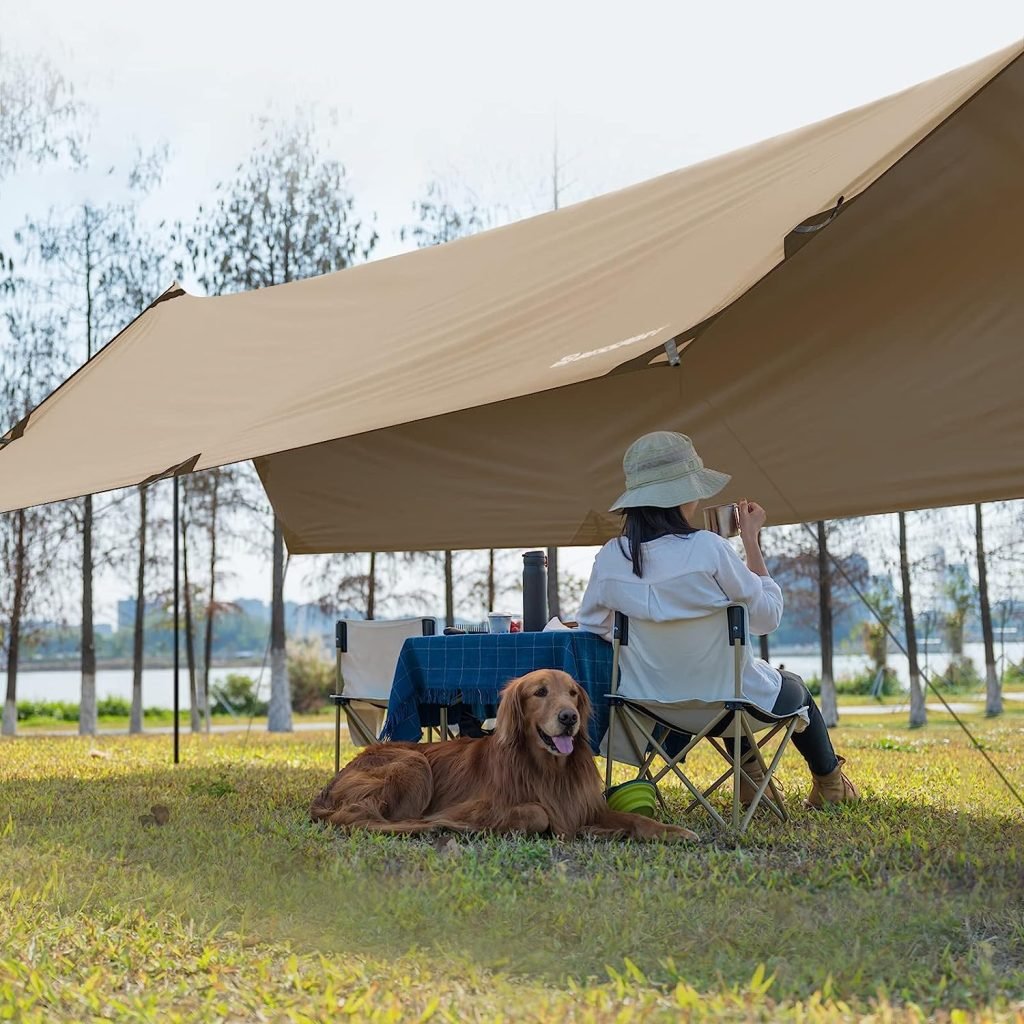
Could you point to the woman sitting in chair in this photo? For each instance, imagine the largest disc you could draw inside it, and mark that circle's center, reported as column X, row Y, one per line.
column 662, row 569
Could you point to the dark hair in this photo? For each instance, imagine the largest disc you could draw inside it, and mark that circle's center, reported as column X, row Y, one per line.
column 646, row 523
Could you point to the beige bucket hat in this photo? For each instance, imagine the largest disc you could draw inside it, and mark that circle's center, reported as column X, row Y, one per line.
column 663, row 470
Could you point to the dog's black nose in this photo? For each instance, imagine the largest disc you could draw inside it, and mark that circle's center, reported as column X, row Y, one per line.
column 568, row 718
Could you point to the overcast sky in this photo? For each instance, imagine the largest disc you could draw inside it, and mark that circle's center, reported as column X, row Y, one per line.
column 470, row 93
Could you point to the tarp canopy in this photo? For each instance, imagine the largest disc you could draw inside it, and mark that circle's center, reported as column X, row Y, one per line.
column 847, row 300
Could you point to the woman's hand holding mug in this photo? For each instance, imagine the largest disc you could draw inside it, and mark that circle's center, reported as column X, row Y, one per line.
column 752, row 518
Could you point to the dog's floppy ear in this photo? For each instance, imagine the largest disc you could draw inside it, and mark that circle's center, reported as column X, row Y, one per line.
column 511, row 724
column 584, row 707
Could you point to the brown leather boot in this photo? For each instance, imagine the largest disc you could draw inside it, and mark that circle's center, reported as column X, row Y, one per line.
column 749, row 789
column 834, row 788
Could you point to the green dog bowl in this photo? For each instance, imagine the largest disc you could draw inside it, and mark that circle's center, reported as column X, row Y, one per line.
column 635, row 797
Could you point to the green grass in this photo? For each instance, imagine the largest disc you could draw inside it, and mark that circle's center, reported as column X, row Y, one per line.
column 908, row 906
column 158, row 717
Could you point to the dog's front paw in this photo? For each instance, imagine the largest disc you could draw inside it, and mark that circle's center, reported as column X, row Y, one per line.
column 679, row 834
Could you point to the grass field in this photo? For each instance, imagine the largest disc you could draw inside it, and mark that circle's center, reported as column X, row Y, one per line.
column 907, row 906
column 161, row 718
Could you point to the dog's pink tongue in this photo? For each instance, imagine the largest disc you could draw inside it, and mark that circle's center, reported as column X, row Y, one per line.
column 563, row 744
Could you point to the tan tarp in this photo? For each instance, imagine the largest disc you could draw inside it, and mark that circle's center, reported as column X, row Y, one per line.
column 878, row 367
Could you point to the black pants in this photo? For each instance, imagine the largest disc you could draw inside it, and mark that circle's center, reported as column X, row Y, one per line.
column 813, row 743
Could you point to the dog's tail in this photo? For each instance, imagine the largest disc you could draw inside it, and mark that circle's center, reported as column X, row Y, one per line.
column 324, row 803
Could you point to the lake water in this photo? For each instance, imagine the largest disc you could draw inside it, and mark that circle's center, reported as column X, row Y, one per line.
column 158, row 684
column 808, row 663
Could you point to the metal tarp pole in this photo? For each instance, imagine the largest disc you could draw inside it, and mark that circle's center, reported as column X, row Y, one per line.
column 176, row 618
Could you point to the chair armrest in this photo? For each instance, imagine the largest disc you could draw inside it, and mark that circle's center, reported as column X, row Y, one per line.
column 620, row 630
column 737, row 615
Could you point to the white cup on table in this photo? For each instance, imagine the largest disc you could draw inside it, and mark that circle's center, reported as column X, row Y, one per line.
column 497, row 622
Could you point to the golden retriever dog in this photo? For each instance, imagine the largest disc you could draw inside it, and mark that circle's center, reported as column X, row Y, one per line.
column 536, row 775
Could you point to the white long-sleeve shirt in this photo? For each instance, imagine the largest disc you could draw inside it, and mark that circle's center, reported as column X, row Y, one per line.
column 684, row 577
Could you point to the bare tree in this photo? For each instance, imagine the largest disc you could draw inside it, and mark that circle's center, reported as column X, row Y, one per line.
column 554, row 590
column 993, row 683
column 366, row 582
column 214, row 495
column 187, row 499
column 37, row 123
column 213, row 521
column 30, row 539
column 440, row 220
column 803, row 562
column 554, row 597
column 449, row 590
column 139, row 630
column 77, row 245
column 287, row 214
column 130, row 282
column 829, row 703
column 764, row 652
column 38, row 111
column 82, row 250
column 959, row 591
column 489, row 587
column 918, row 712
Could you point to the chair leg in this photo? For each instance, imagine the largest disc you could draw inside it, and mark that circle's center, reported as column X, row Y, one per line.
column 769, row 771
column 724, row 777
column 444, row 723
column 754, row 754
column 337, row 738
column 609, row 761
column 681, row 756
column 673, row 765
column 737, row 760
column 357, row 727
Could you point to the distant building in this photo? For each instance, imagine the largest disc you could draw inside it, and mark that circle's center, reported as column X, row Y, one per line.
column 307, row 620
column 126, row 612
column 254, row 608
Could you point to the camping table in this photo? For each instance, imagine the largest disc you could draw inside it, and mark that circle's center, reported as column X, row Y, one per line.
column 435, row 671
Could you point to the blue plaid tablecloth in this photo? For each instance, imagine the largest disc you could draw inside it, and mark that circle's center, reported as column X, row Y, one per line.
column 472, row 669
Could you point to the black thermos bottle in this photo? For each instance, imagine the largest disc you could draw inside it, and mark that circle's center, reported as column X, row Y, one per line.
column 535, row 592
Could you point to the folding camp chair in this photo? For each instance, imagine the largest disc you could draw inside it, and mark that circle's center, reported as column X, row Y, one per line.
column 367, row 652
column 685, row 677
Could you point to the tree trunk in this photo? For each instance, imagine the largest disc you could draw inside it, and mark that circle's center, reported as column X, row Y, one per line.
column 87, row 706
column 211, row 607
column 829, row 705
column 763, row 639
column 449, row 591
column 139, row 639
column 490, row 581
column 918, row 712
column 993, row 684
column 279, row 715
column 190, row 640
column 554, row 605
column 955, row 635
column 10, row 717
column 371, row 587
